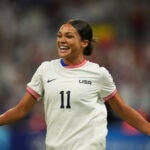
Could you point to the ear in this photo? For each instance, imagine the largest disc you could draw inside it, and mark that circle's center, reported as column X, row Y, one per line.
column 85, row 43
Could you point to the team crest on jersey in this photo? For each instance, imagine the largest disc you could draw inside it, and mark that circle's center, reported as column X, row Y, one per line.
column 85, row 82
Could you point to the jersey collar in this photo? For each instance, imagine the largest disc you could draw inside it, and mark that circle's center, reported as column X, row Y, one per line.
column 72, row 66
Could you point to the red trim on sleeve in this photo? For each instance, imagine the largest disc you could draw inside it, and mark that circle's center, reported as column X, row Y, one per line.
column 32, row 92
column 110, row 96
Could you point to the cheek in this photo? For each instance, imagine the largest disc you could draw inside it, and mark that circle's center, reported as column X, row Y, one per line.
column 77, row 44
column 75, row 48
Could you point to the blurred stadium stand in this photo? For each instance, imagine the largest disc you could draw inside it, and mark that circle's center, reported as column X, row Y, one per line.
column 28, row 30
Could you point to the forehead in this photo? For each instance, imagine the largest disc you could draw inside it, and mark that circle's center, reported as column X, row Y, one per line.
column 67, row 28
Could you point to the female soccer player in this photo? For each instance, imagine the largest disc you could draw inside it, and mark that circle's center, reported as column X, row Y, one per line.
column 74, row 91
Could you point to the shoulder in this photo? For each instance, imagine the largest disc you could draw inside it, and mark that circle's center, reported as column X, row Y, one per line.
column 92, row 65
column 102, row 72
column 97, row 67
column 47, row 66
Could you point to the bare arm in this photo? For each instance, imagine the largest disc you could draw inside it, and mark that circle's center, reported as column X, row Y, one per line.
column 128, row 114
column 19, row 111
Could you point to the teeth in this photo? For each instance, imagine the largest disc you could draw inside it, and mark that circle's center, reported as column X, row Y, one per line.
column 63, row 47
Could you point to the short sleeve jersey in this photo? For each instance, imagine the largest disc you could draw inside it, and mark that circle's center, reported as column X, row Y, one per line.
column 73, row 98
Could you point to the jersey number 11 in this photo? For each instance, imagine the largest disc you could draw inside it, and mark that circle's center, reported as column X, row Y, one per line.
column 62, row 99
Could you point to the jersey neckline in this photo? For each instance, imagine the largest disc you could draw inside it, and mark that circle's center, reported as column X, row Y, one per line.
column 72, row 66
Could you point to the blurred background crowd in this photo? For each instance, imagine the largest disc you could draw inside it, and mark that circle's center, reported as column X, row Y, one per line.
column 28, row 31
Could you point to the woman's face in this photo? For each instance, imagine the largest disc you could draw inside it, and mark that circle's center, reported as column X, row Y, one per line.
column 69, row 43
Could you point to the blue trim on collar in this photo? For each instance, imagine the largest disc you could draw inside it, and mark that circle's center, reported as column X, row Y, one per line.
column 62, row 63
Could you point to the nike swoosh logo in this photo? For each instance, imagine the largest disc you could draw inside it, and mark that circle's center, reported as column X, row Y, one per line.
column 48, row 81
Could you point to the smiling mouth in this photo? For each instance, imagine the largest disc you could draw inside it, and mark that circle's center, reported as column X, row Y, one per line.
column 63, row 48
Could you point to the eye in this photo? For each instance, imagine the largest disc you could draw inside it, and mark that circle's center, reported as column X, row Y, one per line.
column 70, row 36
column 59, row 35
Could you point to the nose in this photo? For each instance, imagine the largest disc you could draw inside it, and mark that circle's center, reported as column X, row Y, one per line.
column 62, row 39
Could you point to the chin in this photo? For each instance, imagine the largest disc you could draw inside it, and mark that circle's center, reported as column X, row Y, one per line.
column 63, row 55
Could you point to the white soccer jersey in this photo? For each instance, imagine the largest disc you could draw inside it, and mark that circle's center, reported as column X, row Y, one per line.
column 73, row 98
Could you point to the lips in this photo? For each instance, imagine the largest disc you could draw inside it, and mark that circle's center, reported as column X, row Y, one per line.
column 63, row 48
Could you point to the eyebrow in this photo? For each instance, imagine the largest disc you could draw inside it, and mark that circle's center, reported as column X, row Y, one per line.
column 66, row 32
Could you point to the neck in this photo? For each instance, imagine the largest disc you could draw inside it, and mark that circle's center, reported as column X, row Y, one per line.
column 73, row 62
